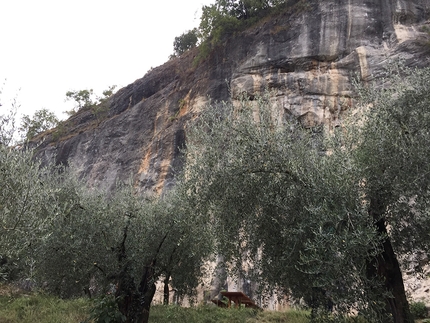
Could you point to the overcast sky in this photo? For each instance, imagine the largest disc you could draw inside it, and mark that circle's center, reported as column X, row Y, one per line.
column 49, row 47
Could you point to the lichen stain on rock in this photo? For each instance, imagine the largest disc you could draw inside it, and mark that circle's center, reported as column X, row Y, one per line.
column 164, row 170
column 144, row 166
column 362, row 59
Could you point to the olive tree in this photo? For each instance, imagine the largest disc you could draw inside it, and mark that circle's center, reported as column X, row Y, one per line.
column 8, row 127
column 32, row 197
column 28, row 204
column 127, row 242
column 70, row 239
column 324, row 215
column 393, row 154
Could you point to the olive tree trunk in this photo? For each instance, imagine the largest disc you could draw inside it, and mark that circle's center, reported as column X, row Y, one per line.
column 386, row 265
column 166, row 294
column 133, row 303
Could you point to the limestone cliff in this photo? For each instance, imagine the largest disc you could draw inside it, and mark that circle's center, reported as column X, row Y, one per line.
column 307, row 54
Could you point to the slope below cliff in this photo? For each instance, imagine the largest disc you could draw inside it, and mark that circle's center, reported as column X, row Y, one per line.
column 307, row 55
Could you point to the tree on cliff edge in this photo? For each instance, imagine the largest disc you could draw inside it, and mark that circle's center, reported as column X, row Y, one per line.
column 42, row 120
column 185, row 42
column 324, row 216
column 228, row 16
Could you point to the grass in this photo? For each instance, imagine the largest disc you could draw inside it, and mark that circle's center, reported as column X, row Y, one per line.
column 41, row 308
column 212, row 314
column 204, row 314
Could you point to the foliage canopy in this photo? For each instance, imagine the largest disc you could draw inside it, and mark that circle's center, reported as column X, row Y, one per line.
column 185, row 42
column 55, row 230
column 76, row 240
column 42, row 120
column 86, row 99
column 226, row 17
column 323, row 215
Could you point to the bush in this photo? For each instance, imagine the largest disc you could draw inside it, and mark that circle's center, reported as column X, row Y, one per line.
column 419, row 310
column 185, row 42
column 105, row 310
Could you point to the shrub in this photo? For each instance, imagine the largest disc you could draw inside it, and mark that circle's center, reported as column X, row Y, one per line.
column 105, row 310
column 419, row 310
column 185, row 42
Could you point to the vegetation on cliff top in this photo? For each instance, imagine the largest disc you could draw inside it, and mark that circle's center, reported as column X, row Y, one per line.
column 227, row 17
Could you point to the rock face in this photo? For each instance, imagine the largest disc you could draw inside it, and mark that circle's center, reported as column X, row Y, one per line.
column 307, row 55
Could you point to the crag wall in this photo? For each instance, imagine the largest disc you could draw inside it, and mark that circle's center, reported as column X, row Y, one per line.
column 307, row 55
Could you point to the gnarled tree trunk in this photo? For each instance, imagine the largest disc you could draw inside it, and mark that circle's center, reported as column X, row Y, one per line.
column 386, row 265
column 134, row 303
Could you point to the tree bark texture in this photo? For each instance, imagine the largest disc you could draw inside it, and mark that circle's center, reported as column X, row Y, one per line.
column 386, row 265
column 135, row 304
column 166, row 294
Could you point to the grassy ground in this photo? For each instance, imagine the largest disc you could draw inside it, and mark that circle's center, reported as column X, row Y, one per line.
column 212, row 314
column 43, row 309
column 47, row 309
column 18, row 307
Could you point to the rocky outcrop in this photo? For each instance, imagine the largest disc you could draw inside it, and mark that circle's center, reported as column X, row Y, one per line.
column 306, row 55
